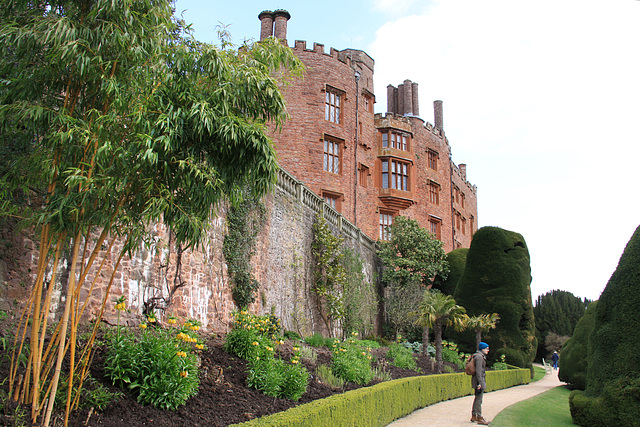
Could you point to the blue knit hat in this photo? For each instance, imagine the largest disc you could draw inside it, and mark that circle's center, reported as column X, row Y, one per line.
column 483, row 345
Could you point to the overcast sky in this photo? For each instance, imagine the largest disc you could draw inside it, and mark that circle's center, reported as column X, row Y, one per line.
column 541, row 100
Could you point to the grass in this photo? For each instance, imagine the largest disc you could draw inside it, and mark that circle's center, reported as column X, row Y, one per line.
column 538, row 373
column 550, row 408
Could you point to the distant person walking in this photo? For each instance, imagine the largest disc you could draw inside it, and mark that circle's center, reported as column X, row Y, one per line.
column 479, row 384
column 555, row 357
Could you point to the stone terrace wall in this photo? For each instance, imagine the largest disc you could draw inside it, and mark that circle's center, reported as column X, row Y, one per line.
column 282, row 265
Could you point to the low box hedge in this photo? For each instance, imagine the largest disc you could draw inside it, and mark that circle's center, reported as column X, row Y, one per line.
column 382, row 403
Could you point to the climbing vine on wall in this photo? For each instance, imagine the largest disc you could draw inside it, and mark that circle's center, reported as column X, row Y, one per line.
column 329, row 273
column 245, row 220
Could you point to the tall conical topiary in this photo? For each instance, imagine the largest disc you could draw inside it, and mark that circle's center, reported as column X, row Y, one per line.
column 574, row 357
column 612, row 395
column 497, row 279
column 457, row 260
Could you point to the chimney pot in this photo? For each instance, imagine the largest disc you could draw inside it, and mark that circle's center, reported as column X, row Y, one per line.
column 408, row 98
column 437, row 115
column 266, row 24
column 414, row 99
column 281, row 17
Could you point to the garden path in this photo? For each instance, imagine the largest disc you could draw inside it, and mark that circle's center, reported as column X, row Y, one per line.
column 457, row 412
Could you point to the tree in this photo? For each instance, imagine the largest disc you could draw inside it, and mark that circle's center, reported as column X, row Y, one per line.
column 574, row 357
column 482, row 323
column 457, row 259
column 613, row 373
column 440, row 310
column 131, row 122
column 557, row 312
column 425, row 317
column 412, row 257
column 497, row 279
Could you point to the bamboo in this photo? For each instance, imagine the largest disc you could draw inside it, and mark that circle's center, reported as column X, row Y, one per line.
column 63, row 330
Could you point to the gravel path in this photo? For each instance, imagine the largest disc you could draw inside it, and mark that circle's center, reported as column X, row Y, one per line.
column 457, row 412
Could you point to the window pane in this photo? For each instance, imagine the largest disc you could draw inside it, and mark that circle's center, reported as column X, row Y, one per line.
column 385, row 140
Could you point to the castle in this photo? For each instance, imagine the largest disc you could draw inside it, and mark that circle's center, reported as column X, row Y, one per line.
column 369, row 167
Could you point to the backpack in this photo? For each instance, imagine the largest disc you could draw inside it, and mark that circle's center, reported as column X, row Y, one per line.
column 470, row 366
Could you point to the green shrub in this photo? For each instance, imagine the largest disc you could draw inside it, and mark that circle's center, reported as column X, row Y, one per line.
column 251, row 339
column 156, row 366
column 451, row 354
column 315, row 340
column 401, row 356
column 575, row 354
column 368, row 343
column 266, row 375
column 325, row 376
column 246, row 343
column 352, row 363
column 497, row 279
column 612, row 393
column 293, row 336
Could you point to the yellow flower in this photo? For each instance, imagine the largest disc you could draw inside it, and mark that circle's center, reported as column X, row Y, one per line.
column 199, row 346
column 254, row 343
column 184, row 374
column 296, row 348
column 294, row 361
column 151, row 319
column 171, row 321
column 143, row 325
column 181, row 354
column 269, row 348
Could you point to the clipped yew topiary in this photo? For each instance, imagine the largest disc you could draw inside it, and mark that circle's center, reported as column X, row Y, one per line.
column 612, row 394
column 457, row 260
column 497, row 279
column 574, row 356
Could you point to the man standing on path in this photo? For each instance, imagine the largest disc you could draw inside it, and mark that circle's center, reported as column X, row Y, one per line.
column 479, row 384
column 555, row 357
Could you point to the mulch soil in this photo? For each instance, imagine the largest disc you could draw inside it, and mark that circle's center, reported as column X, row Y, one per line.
column 223, row 397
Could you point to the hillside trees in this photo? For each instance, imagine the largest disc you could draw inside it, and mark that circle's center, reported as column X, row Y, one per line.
column 557, row 312
column 128, row 121
column 412, row 257
column 497, row 279
column 613, row 375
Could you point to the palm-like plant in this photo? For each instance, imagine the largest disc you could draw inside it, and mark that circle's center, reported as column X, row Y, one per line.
column 482, row 323
column 444, row 311
column 425, row 317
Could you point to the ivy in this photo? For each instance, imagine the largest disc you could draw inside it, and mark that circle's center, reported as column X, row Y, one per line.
column 330, row 275
column 245, row 220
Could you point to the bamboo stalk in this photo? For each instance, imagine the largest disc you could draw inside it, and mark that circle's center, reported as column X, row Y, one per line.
column 63, row 330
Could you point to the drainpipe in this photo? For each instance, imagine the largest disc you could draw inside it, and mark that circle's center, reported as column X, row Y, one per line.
column 355, row 152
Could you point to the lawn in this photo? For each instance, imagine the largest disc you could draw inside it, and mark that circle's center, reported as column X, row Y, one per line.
column 550, row 408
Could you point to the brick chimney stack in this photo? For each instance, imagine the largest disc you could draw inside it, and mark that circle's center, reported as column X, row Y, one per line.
column 403, row 100
column 280, row 24
column 437, row 114
column 408, row 98
column 266, row 24
column 463, row 170
column 273, row 24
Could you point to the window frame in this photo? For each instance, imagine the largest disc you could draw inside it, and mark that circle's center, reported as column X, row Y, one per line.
column 391, row 138
column 390, row 176
column 385, row 220
column 433, row 157
column 434, row 193
column 334, row 144
column 333, row 107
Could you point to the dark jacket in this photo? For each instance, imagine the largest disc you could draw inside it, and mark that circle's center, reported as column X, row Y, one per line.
column 479, row 378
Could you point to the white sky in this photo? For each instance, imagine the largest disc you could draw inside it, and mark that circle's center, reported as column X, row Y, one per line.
column 541, row 100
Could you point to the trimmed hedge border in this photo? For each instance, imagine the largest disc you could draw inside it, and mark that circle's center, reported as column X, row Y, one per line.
column 385, row 402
